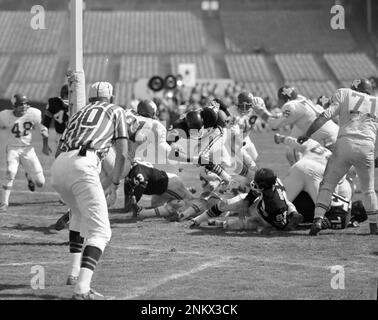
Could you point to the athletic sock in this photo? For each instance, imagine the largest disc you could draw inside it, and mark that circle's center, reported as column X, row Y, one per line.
column 211, row 213
column 6, row 193
column 76, row 247
column 91, row 256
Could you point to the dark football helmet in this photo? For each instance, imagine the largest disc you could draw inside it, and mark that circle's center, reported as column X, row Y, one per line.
column 244, row 102
column 264, row 179
column 323, row 101
column 147, row 108
column 194, row 120
column 287, row 93
column 209, row 117
column 19, row 99
column 362, row 85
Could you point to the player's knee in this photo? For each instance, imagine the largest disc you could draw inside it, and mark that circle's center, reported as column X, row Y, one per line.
column 11, row 175
column 40, row 181
column 100, row 241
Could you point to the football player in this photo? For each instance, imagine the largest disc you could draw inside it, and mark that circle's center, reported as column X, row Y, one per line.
column 57, row 110
column 265, row 207
column 155, row 148
column 355, row 146
column 299, row 112
column 17, row 125
column 143, row 178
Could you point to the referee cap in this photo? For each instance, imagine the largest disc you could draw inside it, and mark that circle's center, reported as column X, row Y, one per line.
column 101, row 89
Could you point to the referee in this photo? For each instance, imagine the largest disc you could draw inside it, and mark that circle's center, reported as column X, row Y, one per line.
column 90, row 133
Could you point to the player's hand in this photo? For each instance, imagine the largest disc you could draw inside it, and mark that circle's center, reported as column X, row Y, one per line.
column 279, row 138
column 302, row 139
column 46, row 150
column 111, row 195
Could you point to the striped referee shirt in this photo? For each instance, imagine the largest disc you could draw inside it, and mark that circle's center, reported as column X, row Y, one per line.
column 99, row 123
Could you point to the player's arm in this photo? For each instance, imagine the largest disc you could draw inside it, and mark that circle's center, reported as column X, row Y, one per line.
column 328, row 114
column 287, row 117
column 290, row 141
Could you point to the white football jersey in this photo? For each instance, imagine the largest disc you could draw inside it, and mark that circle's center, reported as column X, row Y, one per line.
column 358, row 114
column 18, row 129
column 300, row 112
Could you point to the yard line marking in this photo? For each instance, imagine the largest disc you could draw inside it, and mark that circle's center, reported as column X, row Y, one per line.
column 47, row 193
column 19, row 264
column 143, row 290
column 27, row 216
column 140, row 248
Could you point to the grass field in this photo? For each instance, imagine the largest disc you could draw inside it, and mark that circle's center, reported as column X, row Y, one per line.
column 156, row 259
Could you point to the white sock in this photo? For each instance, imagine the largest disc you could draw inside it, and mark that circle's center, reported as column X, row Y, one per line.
column 84, row 282
column 202, row 217
column 6, row 195
column 75, row 266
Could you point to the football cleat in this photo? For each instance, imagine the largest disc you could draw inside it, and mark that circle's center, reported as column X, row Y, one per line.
column 3, row 207
column 319, row 224
column 295, row 220
column 279, row 138
column 31, row 185
column 90, row 295
column 193, row 224
column 62, row 221
column 71, row 280
column 373, row 228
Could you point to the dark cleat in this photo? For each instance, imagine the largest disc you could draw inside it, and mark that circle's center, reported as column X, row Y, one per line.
column 373, row 228
column 62, row 221
column 295, row 220
column 31, row 185
column 316, row 227
column 90, row 295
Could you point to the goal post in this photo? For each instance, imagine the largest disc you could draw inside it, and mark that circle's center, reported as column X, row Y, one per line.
column 76, row 76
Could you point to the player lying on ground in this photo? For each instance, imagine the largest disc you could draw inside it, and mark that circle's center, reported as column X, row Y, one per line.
column 17, row 125
column 355, row 146
column 143, row 178
column 299, row 112
column 265, row 207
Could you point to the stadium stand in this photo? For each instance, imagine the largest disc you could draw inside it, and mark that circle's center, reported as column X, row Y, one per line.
column 262, row 89
column 142, row 32
column 96, row 67
column 36, row 68
column 349, row 66
column 246, row 67
column 267, row 31
column 123, row 93
column 313, row 89
column 299, row 67
column 34, row 91
column 17, row 35
column 205, row 67
column 4, row 60
column 133, row 67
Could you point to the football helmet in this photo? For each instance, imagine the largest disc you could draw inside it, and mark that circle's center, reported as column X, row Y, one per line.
column 362, row 85
column 209, row 117
column 287, row 93
column 244, row 102
column 19, row 99
column 264, row 179
column 147, row 108
column 323, row 101
column 195, row 124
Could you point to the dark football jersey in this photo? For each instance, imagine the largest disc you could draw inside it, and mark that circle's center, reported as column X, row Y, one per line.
column 272, row 208
column 56, row 109
column 145, row 179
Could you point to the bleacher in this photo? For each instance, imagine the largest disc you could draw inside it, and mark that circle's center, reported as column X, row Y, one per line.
column 17, row 35
column 142, row 32
column 34, row 91
column 262, row 89
column 133, row 67
column 314, row 89
column 349, row 66
column 248, row 67
column 96, row 67
column 299, row 67
column 267, row 31
column 124, row 93
column 205, row 67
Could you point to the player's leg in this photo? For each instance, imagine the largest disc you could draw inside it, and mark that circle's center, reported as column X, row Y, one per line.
column 337, row 166
column 95, row 225
column 169, row 209
column 13, row 161
column 293, row 183
column 62, row 179
column 32, row 166
column 233, row 204
column 293, row 155
column 365, row 170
